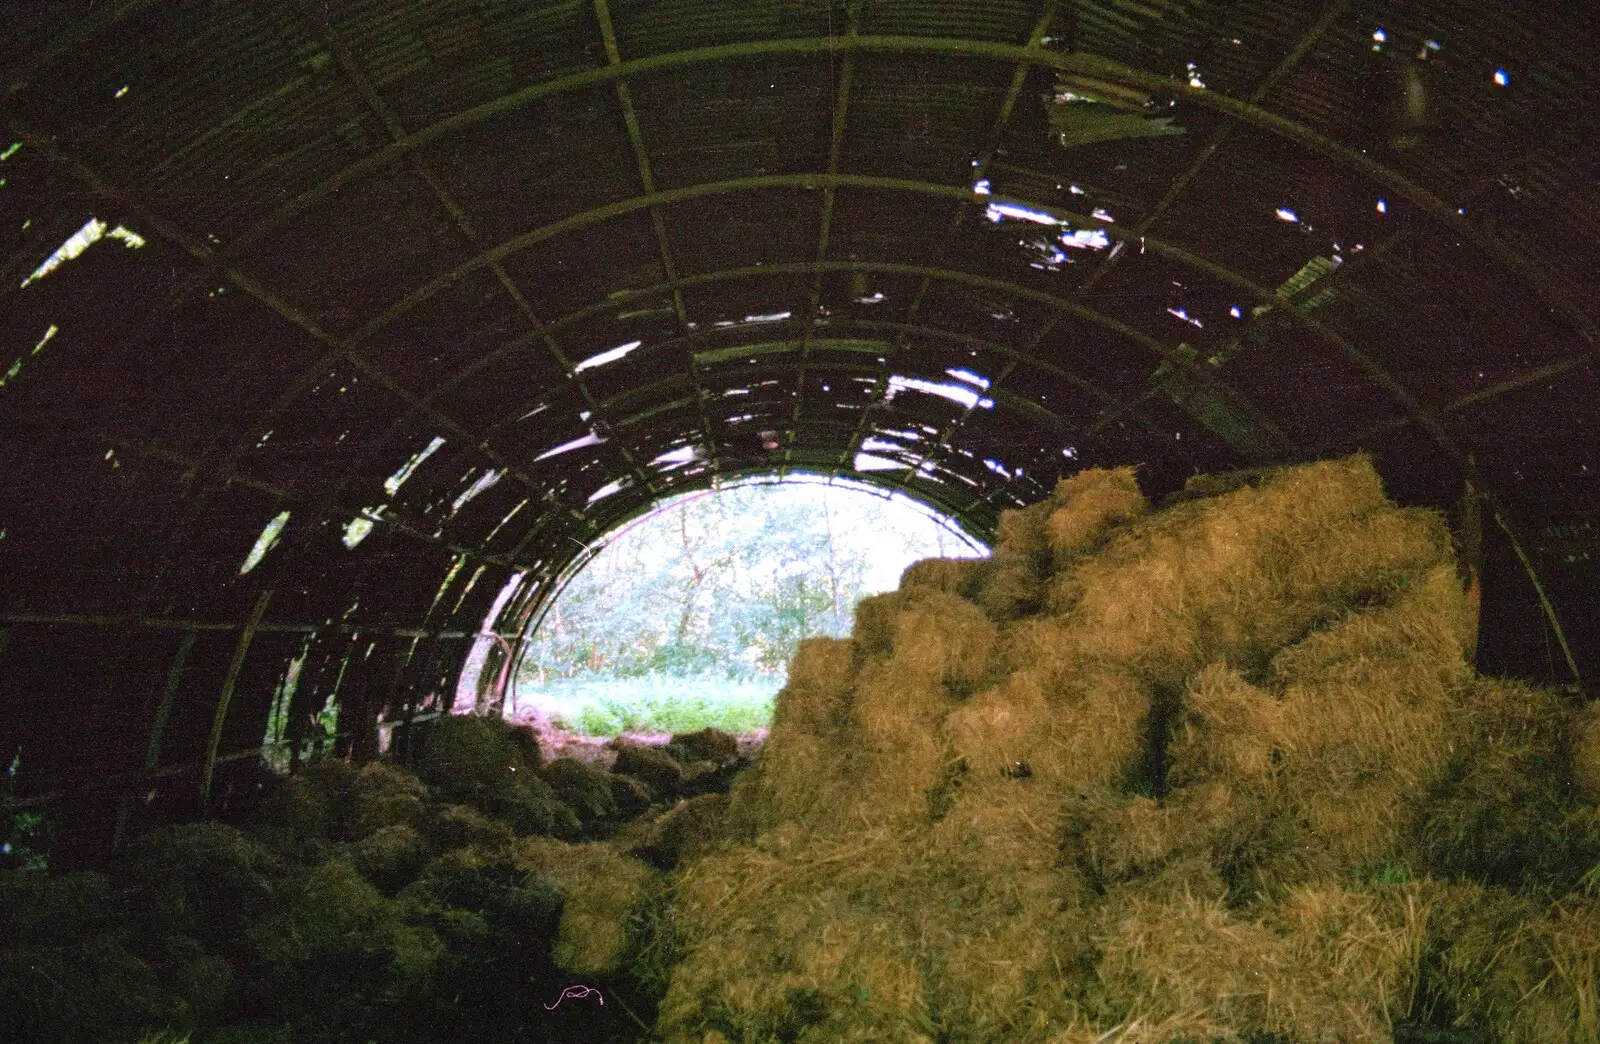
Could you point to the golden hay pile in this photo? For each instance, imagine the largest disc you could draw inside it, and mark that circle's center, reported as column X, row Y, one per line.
column 1218, row 772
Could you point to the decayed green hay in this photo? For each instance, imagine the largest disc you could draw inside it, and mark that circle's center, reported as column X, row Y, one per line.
column 1149, row 776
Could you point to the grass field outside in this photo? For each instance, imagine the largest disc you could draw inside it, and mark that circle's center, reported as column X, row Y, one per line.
column 659, row 703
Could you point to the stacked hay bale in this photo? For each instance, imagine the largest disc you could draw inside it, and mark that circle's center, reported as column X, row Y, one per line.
column 1215, row 772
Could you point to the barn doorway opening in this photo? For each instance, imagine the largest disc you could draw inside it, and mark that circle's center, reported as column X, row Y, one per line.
column 687, row 617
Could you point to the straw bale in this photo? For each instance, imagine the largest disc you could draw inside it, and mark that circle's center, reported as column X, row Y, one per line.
column 384, row 796
column 652, row 766
column 1186, row 957
column 1023, row 536
column 1355, row 960
column 1419, row 625
column 998, row 831
column 994, row 731
column 1122, row 837
column 891, row 702
column 950, row 575
column 1504, row 962
column 1006, row 587
column 1063, row 591
column 1039, row 645
column 819, row 956
column 1085, row 507
column 1239, row 576
column 895, row 786
column 1094, row 733
column 819, row 682
column 1199, row 487
column 1324, row 965
column 1370, row 700
column 391, row 857
column 873, row 633
column 900, row 759
column 944, row 638
column 792, row 762
column 1227, row 730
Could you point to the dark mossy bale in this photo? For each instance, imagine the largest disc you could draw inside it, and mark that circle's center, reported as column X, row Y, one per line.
column 70, row 971
column 707, row 744
column 309, row 806
column 486, row 763
column 391, row 857
column 457, row 826
column 384, row 796
column 632, row 797
column 583, row 788
column 207, row 880
column 652, row 766
column 336, row 953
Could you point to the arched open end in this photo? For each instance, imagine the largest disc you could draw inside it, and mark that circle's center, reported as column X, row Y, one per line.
column 688, row 615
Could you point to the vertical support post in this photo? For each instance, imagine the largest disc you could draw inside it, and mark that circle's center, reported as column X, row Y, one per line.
column 226, row 696
column 158, row 731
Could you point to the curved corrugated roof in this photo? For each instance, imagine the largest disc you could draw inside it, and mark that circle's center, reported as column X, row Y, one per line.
column 609, row 251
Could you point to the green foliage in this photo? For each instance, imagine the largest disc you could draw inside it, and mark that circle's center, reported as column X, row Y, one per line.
column 728, row 585
column 672, row 712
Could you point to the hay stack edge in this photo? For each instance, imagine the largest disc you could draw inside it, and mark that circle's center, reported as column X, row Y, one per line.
column 1216, row 772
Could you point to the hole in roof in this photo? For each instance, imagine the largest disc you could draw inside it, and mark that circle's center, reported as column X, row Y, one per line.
column 689, row 615
column 609, row 355
column 484, row 481
column 38, row 347
column 392, row 484
column 578, row 443
column 91, row 233
column 265, row 542
column 959, row 393
column 609, row 488
column 676, row 458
